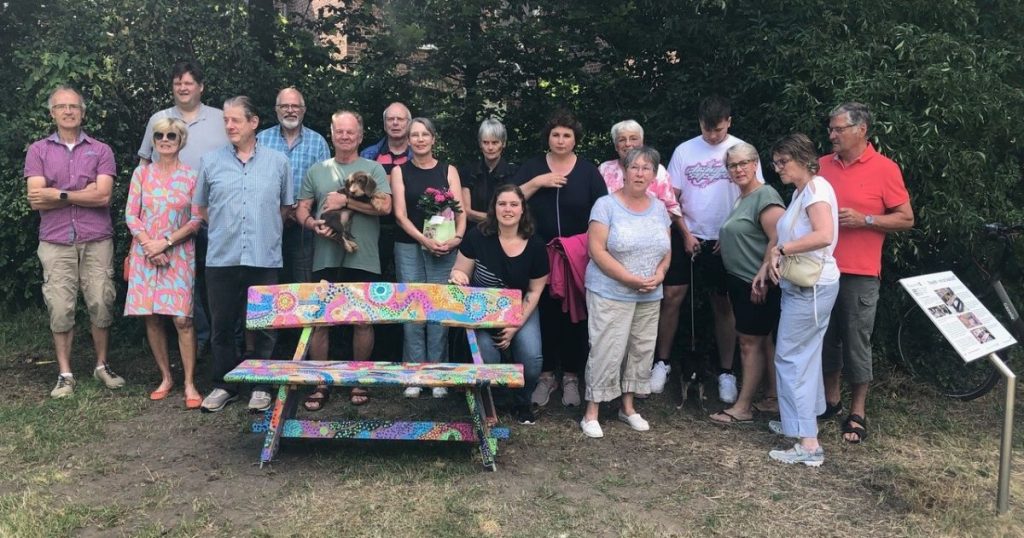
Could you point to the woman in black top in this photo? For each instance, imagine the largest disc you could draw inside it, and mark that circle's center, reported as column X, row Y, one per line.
column 503, row 253
column 419, row 258
column 480, row 178
column 561, row 189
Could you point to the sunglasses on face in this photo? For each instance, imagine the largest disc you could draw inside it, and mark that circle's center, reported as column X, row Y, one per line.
column 170, row 135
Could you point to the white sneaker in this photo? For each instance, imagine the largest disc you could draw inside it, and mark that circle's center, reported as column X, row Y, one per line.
column 546, row 384
column 659, row 375
column 260, row 400
column 727, row 391
column 440, row 392
column 635, row 421
column 591, row 428
column 412, row 392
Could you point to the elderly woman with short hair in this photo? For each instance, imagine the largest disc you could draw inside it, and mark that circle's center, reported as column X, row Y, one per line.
column 628, row 240
column 626, row 135
column 744, row 240
column 162, row 262
column 808, row 227
column 481, row 178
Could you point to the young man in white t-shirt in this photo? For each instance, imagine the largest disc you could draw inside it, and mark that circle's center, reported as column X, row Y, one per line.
column 706, row 196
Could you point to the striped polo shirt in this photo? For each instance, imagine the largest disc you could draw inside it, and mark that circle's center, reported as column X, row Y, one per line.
column 244, row 204
column 71, row 170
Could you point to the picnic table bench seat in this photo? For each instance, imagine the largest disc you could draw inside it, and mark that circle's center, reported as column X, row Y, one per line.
column 324, row 304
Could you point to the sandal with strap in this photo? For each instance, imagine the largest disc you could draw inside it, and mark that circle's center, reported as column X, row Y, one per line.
column 359, row 396
column 318, row 399
column 860, row 431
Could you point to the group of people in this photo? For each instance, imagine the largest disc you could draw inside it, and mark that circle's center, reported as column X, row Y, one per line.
column 604, row 255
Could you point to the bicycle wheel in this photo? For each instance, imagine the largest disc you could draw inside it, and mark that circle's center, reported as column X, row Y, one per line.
column 928, row 357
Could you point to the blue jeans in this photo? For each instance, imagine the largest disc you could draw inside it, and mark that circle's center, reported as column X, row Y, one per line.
column 423, row 342
column 525, row 349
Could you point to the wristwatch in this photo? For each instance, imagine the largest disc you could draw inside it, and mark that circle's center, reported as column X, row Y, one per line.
column 169, row 242
column 63, row 195
column 781, row 250
column 869, row 220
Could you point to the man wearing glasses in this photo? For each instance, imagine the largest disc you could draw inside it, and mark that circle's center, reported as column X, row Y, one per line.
column 70, row 178
column 205, row 133
column 873, row 201
column 304, row 147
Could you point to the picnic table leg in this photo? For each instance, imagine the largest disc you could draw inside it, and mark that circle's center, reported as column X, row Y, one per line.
column 284, row 409
column 487, row 399
column 488, row 445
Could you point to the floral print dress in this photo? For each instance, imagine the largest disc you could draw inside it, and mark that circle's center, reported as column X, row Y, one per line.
column 160, row 206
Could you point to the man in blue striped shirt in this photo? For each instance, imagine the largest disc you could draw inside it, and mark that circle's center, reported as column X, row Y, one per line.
column 244, row 192
column 304, row 147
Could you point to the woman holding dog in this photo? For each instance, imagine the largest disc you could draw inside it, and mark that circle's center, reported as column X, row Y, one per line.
column 502, row 252
column 419, row 258
column 162, row 261
column 331, row 261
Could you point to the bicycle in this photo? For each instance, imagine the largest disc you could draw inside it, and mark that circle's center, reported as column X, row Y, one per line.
column 928, row 357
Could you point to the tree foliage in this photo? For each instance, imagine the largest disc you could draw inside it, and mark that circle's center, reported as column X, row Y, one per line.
column 944, row 78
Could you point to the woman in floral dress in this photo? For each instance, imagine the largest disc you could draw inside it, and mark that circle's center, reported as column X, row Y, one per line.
column 161, row 266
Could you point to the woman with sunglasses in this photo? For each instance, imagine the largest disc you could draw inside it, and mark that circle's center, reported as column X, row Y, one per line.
column 161, row 264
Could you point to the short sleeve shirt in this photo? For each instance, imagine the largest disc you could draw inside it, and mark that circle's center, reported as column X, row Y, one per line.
column 496, row 269
column 795, row 223
column 562, row 212
column 742, row 239
column 637, row 240
column 244, row 203
column 871, row 185
column 205, row 134
column 309, row 149
column 71, row 170
column 326, row 177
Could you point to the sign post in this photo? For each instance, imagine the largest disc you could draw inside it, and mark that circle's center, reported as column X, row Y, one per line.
column 974, row 333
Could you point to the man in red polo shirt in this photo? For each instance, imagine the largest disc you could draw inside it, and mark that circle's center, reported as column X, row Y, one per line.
column 873, row 201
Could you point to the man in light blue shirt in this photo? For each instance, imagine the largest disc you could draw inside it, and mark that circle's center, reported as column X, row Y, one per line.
column 304, row 147
column 243, row 192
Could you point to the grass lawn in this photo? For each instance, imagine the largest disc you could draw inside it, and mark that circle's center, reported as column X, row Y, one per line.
column 112, row 463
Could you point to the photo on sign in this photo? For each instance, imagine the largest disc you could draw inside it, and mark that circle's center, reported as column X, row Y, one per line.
column 969, row 320
column 939, row 311
column 982, row 335
column 950, row 298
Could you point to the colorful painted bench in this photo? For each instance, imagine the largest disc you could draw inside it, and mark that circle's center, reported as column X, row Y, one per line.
column 307, row 306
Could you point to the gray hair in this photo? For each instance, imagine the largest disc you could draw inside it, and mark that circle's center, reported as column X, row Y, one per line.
column 408, row 113
column 343, row 112
column 302, row 98
column 429, row 125
column 859, row 113
column 626, row 126
column 245, row 102
column 643, row 152
column 492, row 128
column 742, row 150
column 65, row 88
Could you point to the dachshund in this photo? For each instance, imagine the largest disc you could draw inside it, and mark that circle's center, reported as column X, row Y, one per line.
column 360, row 187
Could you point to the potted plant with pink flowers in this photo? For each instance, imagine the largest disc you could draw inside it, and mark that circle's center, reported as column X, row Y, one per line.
column 440, row 206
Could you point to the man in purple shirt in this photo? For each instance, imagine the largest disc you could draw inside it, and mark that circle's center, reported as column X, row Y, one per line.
column 70, row 177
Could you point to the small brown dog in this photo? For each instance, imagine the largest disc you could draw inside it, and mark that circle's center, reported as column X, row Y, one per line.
column 359, row 187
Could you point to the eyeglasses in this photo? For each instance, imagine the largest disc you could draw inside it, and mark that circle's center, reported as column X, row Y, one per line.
column 840, row 129
column 637, row 168
column 169, row 135
column 779, row 163
column 739, row 164
column 290, row 107
column 66, row 106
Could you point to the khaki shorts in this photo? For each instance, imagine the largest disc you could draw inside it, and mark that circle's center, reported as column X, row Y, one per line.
column 66, row 268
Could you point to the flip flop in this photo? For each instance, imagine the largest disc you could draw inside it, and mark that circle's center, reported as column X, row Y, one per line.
column 193, row 403
column 157, row 395
column 731, row 419
column 318, row 399
column 359, row 396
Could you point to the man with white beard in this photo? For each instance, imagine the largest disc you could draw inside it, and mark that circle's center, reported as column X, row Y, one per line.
column 304, row 148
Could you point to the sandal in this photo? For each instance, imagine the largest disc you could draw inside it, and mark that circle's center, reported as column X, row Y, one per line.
column 729, row 419
column 359, row 396
column 860, row 431
column 318, row 399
